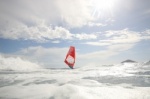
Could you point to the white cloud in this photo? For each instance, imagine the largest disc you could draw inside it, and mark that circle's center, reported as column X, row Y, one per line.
column 74, row 13
column 146, row 34
column 120, row 47
column 45, row 20
column 92, row 24
column 115, row 42
column 11, row 28
column 122, row 36
column 14, row 29
column 84, row 36
column 97, row 43
column 69, row 13
column 56, row 41
column 39, row 33
column 117, row 37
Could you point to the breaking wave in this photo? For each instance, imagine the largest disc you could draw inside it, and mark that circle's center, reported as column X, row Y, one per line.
column 16, row 63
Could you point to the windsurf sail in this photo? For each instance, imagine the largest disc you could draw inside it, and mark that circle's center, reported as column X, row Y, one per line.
column 70, row 57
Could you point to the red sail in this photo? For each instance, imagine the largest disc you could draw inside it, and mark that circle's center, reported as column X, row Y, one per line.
column 70, row 57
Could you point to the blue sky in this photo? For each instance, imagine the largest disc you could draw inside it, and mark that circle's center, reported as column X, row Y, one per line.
column 103, row 31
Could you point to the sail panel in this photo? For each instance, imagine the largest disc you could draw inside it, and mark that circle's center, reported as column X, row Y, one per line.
column 70, row 57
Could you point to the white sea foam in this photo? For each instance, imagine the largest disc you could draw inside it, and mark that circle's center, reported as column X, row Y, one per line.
column 12, row 63
column 122, row 81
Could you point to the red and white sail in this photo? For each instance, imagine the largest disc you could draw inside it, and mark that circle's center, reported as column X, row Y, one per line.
column 70, row 57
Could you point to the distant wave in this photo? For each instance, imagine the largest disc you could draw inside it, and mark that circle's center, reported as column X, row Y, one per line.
column 16, row 63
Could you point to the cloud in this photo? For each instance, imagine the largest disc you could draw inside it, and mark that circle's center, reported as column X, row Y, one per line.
column 112, row 37
column 92, row 24
column 115, row 42
column 46, row 20
column 75, row 13
column 120, row 47
column 122, row 36
column 11, row 28
column 84, row 36
column 53, row 12
column 56, row 41
column 39, row 33
column 16, row 63
column 97, row 43
column 146, row 35
column 32, row 20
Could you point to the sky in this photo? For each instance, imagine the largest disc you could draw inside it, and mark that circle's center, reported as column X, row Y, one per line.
column 102, row 31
